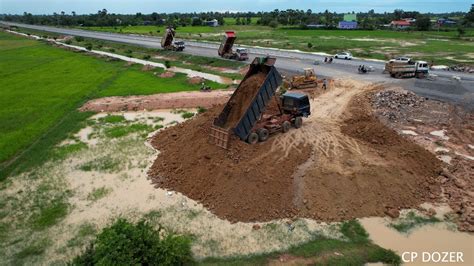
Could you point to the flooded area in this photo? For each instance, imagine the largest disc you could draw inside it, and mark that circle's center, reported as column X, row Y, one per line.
column 425, row 242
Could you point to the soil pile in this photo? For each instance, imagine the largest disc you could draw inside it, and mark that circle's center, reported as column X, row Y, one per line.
column 343, row 163
column 240, row 102
column 245, row 183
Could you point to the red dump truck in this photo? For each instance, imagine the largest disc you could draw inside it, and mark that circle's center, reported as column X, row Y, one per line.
column 226, row 51
column 167, row 42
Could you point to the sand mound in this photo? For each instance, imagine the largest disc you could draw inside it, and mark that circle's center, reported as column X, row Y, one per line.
column 343, row 163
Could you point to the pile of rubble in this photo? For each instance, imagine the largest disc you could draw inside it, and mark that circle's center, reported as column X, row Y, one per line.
column 390, row 103
column 461, row 68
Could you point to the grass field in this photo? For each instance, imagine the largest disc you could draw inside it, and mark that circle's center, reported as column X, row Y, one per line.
column 42, row 86
column 439, row 47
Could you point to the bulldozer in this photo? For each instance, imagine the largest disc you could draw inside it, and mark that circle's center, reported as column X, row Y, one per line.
column 305, row 81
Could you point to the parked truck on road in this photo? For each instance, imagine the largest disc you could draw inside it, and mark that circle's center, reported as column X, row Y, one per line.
column 407, row 69
column 248, row 115
column 226, row 51
column 167, row 42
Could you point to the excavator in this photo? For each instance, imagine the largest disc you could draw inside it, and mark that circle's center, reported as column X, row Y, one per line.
column 167, row 41
column 305, row 81
column 225, row 49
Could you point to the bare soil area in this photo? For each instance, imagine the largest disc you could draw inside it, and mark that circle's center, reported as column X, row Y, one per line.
column 343, row 163
column 443, row 129
column 158, row 101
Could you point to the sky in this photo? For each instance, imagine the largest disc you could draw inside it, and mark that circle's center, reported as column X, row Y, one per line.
column 168, row 6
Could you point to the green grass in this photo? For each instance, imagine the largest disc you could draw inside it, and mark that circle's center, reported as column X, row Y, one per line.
column 42, row 87
column 50, row 214
column 112, row 119
column 98, row 193
column 356, row 250
column 378, row 44
column 34, row 249
column 124, row 130
column 411, row 221
column 103, row 164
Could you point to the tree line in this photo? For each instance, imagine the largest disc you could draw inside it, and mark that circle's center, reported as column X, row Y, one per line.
column 290, row 17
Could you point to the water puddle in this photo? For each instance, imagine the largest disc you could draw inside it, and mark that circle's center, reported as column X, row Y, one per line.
column 425, row 242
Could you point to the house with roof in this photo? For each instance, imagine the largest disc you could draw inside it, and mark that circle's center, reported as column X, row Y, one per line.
column 212, row 23
column 400, row 24
column 349, row 22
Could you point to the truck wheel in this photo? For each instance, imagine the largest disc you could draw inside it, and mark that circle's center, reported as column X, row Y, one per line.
column 263, row 134
column 285, row 127
column 398, row 75
column 252, row 138
column 298, row 122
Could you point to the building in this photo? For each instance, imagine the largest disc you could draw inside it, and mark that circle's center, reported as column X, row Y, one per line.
column 212, row 23
column 446, row 22
column 347, row 25
column 349, row 22
column 400, row 24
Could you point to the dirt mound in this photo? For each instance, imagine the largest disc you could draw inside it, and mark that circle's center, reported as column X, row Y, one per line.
column 343, row 163
column 167, row 74
column 241, row 101
column 195, row 80
column 245, row 183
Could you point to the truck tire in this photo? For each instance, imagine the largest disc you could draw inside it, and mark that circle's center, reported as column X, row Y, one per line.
column 285, row 127
column 263, row 134
column 252, row 138
column 398, row 75
column 298, row 122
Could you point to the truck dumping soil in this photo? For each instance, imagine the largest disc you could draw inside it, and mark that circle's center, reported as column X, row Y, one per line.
column 343, row 163
column 241, row 101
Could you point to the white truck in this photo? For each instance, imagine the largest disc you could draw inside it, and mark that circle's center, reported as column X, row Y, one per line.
column 407, row 69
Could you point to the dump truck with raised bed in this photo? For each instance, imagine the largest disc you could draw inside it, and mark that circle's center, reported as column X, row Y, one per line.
column 226, row 51
column 167, row 42
column 249, row 115
column 409, row 69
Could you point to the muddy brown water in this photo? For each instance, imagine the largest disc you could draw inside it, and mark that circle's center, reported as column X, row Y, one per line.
column 429, row 239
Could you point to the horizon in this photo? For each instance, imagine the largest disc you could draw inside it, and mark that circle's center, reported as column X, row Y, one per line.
column 48, row 7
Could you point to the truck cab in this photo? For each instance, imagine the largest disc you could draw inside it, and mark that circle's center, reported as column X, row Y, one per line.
column 242, row 54
column 296, row 104
column 422, row 67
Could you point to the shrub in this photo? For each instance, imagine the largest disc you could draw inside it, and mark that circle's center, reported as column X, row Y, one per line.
column 187, row 115
column 79, row 39
column 112, row 50
column 273, row 24
column 129, row 52
column 146, row 57
column 89, row 46
column 45, row 36
column 125, row 243
column 201, row 109
column 68, row 42
column 167, row 64
column 310, row 45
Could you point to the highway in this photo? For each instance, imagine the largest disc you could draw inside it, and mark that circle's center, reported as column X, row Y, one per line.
column 443, row 87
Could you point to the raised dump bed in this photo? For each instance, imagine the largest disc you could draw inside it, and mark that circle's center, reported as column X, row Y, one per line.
column 248, row 102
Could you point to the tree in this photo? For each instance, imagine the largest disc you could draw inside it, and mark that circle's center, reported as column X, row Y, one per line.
column 461, row 31
column 423, row 23
column 470, row 15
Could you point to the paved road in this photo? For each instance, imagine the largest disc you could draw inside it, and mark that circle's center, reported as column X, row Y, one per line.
column 443, row 88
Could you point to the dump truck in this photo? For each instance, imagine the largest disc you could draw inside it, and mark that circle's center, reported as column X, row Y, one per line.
column 245, row 114
column 226, row 51
column 167, row 42
column 305, row 81
column 409, row 69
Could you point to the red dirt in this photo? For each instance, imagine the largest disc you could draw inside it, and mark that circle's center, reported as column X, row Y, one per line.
column 158, row 101
column 167, row 74
column 240, row 102
column 260, row 183
column 195, row 80
column 241, row 184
